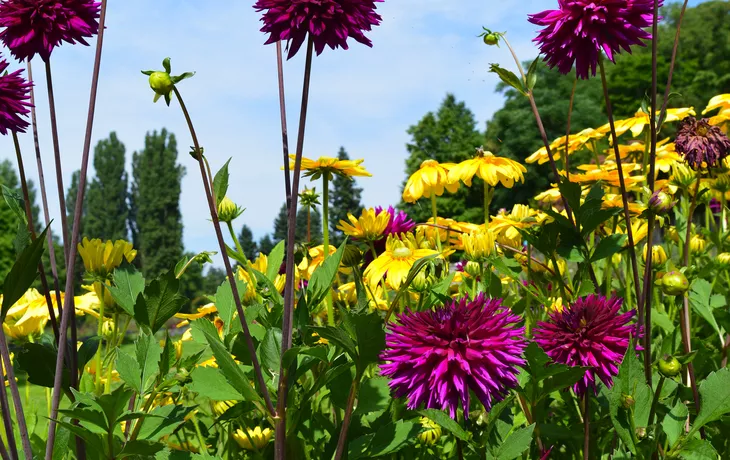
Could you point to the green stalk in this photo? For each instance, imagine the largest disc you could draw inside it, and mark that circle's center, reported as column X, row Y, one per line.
column 235, row 240
column 487, row 201
column 99, row 332
column 325, row 215
column 434, row 213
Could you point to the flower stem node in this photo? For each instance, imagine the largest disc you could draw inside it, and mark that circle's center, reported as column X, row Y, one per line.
column 162, row 83
column 674, row 283
column 669, row 367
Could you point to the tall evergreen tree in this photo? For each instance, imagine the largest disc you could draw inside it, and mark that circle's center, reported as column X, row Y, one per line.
column 8, row 220
column 156, row 221
column 108, row 209
column 250, row 248
column 448, row 136
column 345, row 197
column 280, row 225
column 266, row 244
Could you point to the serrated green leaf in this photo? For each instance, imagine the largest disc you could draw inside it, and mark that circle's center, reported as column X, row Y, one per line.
column 225, row 302
column 209, row 382
column 338, row 337
column 321, row 281
column 509, row 78
column 148, row 352
column 673, row 424
column 630, row 381
column 160, row 301
column 129, row 371
column 714, row 398
column 128, row 284
column 373, row 396
column 22, row 275
column 270, row 351
column 445, row 422
column 15, row 203
column 275, row 259
column 392, row 437
column 697, row 449
column 515, row 444
column 609, row 246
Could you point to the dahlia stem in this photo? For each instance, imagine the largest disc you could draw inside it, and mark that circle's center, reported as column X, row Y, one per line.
column 622, row 183
column 5, row 410
column 655, row 400
column 15, row 394
column 57, row 157
column 31, row 229
column 69, row 311
column 342, row 441
column 288, row 316
column 284, row 130
column 586, row 427
column 226, row 261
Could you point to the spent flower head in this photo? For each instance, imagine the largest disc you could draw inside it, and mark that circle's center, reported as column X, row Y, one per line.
column 701, row 144
column 162, row 83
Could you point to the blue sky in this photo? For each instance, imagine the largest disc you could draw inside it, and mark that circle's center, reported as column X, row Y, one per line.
column 363, row 99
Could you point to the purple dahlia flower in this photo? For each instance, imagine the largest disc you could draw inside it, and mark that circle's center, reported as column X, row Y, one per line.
column 14, row 100
column 579, row 30
column 590, row 332
column 701, row 144
column 399, row 221
column 437, row 357
column 37, row 26
column 330, row 22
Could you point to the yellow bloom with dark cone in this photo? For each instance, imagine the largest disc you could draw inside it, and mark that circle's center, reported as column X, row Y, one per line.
column 102, row 257
column 431, row 431
column 640, row 120
column 431, row 178
column 478, row 245
column 490, row 168
column 368, row 227
column 257, row 436
column 575, row 143
column 401, row 252
column 521, row 217
column 330, row 166
column 608, row 174
column 315, row 259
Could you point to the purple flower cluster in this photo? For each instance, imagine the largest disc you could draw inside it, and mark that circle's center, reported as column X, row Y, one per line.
column 37, row 26
column 580, row 30
column 14, row 100
column 437, row 357
column 329, row 22
column 701, row 144
column 590, row 332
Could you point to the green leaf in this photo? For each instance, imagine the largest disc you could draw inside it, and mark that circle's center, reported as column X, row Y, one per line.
column 572, row 193
column 338, row 337
column 167, row 357
column 630, row 381
column 609, row 246
column 163, row 421
column 370, row 338
column 673, row 424
column 392, row 437
column 586, row 288
column 515, row 444
column 15, row 203
column 321, row 281
column 509, row 78
column 270, row 351
column 128, row 284
column 532, row 74
column 209, row 382
column 60, row 446
column 700, row 299
column 148, row 353
column 715, row 399
column 87, row 351
column 373, row 396
column 445, row 422
column 129, row 371
column 140, row 449
column 161, row 301
column 233, row 372
column 220, row 183
column 166, row 65
column 697, row 449
column 225, row 302
column 39, row 362
column 22, row 275
column 276, row 257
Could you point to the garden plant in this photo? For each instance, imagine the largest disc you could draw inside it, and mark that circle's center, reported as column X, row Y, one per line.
column 590, row 322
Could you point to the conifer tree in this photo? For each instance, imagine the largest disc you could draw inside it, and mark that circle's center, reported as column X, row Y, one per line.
column 345, row 198
column 280, row 226
column 266, row 244
column 155, row 217
column 250, row 248
column 108, row 209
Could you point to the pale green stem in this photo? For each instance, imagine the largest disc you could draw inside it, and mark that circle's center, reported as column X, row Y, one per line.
column 325, row 215
column 235, row 240
column 100, row 333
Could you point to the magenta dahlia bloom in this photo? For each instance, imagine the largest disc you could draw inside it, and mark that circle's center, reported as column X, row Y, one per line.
column 330, row 22
column 579, row 30
column 14, row 100
column 399, row 221
column 37, row 26
column 701, row 144
column 590, row 332
column 436, row 357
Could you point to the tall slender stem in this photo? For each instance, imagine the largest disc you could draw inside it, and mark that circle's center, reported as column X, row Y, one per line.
column 15, row 394
column 487, row 202
column 31, row 229
column 325, row 215
column 226, row 262
column 5, row 409
column 586, row 427
column 239, row 248
column 342, row 440
column 655, row 400
column 57, row 158
column 100, row 333
column 3, row 452
column 69, row 310
column 284, row 129
column 672, row 62
column 622, row 182
column 288, row 316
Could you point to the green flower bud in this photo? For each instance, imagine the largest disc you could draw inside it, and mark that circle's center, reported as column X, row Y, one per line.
column 627, row 401
column 228, row 211
column 640, row 432
column 669, row 366
column 723, row 260
column 422, row 282
column 674, row 283
column 491, row 39
column 352, row 256
column 473, row 268
column 161, row 83
column 661, row 203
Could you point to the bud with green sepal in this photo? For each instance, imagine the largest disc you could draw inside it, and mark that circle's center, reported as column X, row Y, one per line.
column 228, row 211
column 490, row 38
column 674, row 283
column 627, row 401
column 661, row 203
column 669, row 366
column 162, row 83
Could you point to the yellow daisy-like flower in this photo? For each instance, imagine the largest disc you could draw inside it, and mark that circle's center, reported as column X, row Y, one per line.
column 555, row 304
column 608, row 173
column 478, row 245
column 101, row 258
column 315, row 259
column 521, row 217
column 431, row 431
column 614, row 201
column 330, row 166
column 261, row 265
column 443, row 228
column 549, row 197
column 575, row 143
column 203, row 311
column 220, row 407
column 29, row 315
column 258, row 436
column 641, row 119
column 346, row 293
column 431, row 178
column 666, row 156
column 658, row 255
column 490, row 168
column 639, row 229
column 697, row 244
column 721, row 101
column 682, row 176
column 369, row 227
column 401, row 252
